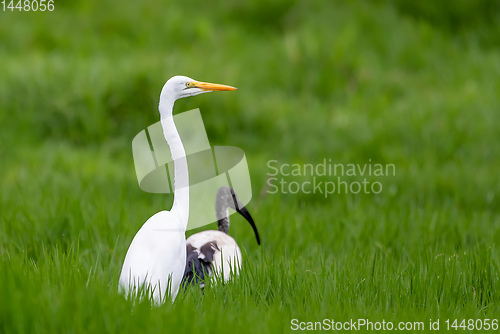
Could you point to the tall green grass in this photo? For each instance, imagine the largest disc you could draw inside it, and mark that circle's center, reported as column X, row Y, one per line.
column 411, row 85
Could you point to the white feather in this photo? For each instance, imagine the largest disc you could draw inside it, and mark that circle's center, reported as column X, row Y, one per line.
column 227, row 256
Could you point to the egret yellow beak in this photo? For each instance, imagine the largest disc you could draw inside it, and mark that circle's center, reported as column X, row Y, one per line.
column 210, row 87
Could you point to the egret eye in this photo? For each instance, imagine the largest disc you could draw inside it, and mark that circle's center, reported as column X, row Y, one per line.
column 188, row 84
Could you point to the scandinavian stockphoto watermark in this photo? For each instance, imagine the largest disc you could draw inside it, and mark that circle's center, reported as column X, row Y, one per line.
column 210, row 167
column 363, row 325
column 327, row 177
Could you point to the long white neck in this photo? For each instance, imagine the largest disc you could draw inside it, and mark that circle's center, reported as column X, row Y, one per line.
column 181, row 173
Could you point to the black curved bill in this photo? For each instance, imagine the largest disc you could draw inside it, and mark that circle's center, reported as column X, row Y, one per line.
column 244, row 212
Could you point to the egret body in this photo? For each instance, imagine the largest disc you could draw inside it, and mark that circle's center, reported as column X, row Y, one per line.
column 156, row 258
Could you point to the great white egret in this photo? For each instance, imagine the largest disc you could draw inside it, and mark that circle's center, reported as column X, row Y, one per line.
column 215, row 251
column 156, row 258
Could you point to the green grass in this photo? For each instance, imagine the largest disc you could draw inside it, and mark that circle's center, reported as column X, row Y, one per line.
column 412, row 85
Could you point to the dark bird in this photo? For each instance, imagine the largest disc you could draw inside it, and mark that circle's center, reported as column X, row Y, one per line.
column 214, row 251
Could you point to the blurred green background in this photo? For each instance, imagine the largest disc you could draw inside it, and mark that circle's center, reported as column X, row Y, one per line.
column 409, row 83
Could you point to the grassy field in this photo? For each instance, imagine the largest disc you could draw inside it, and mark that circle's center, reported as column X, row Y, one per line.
column 398, row 83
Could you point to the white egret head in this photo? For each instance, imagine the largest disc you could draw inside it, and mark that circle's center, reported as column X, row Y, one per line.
column 181, row 86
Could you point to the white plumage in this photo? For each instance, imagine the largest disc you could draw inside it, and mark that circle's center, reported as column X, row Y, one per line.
column 156, row 258
column 214, row 252
column 226, row 258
